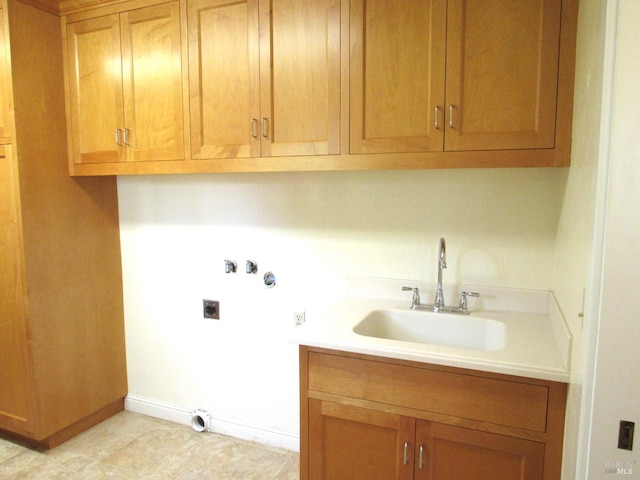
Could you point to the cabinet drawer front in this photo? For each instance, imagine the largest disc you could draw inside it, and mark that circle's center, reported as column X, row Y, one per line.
column 492, row 400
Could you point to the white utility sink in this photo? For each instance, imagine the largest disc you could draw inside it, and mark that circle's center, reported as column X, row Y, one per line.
column 445, row 329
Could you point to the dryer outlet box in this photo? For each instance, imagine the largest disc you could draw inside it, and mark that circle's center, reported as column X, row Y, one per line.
column 211, row 309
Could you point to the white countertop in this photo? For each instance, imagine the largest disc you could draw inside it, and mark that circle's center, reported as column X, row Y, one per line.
column 537, row 342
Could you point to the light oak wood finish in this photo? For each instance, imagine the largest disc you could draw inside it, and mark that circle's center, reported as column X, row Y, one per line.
column 95, row 89
column 510, row 426
column 224, row 80
column 61, row 274
column 352, row 443
column 300, row 77
column 397, row 75
column 14, row 401
column 502, row 74
column 453, row 452
column 6, row 105
column 381, row 109
column 125, row 86
column 152, row 82
column 264, row 78
column 496, row 401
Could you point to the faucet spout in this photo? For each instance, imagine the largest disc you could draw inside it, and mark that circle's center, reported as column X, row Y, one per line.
column 438, row 303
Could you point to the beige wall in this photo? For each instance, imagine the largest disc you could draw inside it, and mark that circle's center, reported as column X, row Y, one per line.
column 574, row 242
column 611, row 342
column 311, row 230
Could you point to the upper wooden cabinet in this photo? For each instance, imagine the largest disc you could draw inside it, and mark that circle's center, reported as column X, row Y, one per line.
column 498, row 91
column 264, row 78
column 397, row 75
column 502, row 74
column 125, row 86
column 285, row 85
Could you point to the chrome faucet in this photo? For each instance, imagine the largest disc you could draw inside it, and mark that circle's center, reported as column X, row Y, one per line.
column 438, row 303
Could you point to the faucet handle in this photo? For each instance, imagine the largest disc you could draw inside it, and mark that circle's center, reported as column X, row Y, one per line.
column 230, row 266
column 463, row 299
column 415, row 301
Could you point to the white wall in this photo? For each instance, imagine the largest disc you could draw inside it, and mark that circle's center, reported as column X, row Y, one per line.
column 575, row 233
column 612, row 341
column 311, row 230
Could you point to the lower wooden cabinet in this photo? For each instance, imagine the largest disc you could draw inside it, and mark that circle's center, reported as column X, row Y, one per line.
column 358, row 443
column 373, row 418
column 448, row 452
column 355, row 443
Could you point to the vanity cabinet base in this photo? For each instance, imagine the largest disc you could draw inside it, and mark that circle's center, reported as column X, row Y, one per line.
column 371, row 417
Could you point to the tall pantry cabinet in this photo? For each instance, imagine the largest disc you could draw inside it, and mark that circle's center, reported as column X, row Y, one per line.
column 62, row 353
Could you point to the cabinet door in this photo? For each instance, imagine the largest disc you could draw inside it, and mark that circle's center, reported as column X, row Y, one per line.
column 397, row 75
column 223, row 78
column 95, row 89
column 14, row 370
column 4, row 81
column 300, row 77
column 349, row 443
column 152, row 83
column 502, row 68
column 458, row 453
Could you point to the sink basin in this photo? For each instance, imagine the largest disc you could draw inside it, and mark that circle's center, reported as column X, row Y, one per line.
column 445, row 329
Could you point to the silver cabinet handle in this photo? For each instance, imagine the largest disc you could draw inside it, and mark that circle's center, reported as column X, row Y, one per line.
column 264, row 127
column 406, row 453
column 118, row 137
column 126, row 136
column 421, row 460
column 436, row 121
column 254, row 125
column 450, row 116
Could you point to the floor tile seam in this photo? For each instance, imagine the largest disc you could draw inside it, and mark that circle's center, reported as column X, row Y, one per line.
column 284, row 467
column 74, row 458
column 17, row 454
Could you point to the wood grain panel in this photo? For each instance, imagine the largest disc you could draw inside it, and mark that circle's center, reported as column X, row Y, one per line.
column 6, row 109
column 502, row 73
column 452, row 452
column 223, row 62
column 349, row 442
column 300, row 77
column 75, row 324
column 397, row 75
column 489, row 400
column 152, row 83
column 15, row 376
column 95, row 89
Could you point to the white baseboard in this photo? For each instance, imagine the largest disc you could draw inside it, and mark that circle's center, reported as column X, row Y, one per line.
column 181, row 415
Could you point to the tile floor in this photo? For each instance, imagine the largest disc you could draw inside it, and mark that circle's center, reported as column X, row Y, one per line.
column 130, row 446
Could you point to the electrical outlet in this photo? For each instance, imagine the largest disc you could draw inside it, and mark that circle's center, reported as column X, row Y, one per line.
column 298, row 318
column 211, row 309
